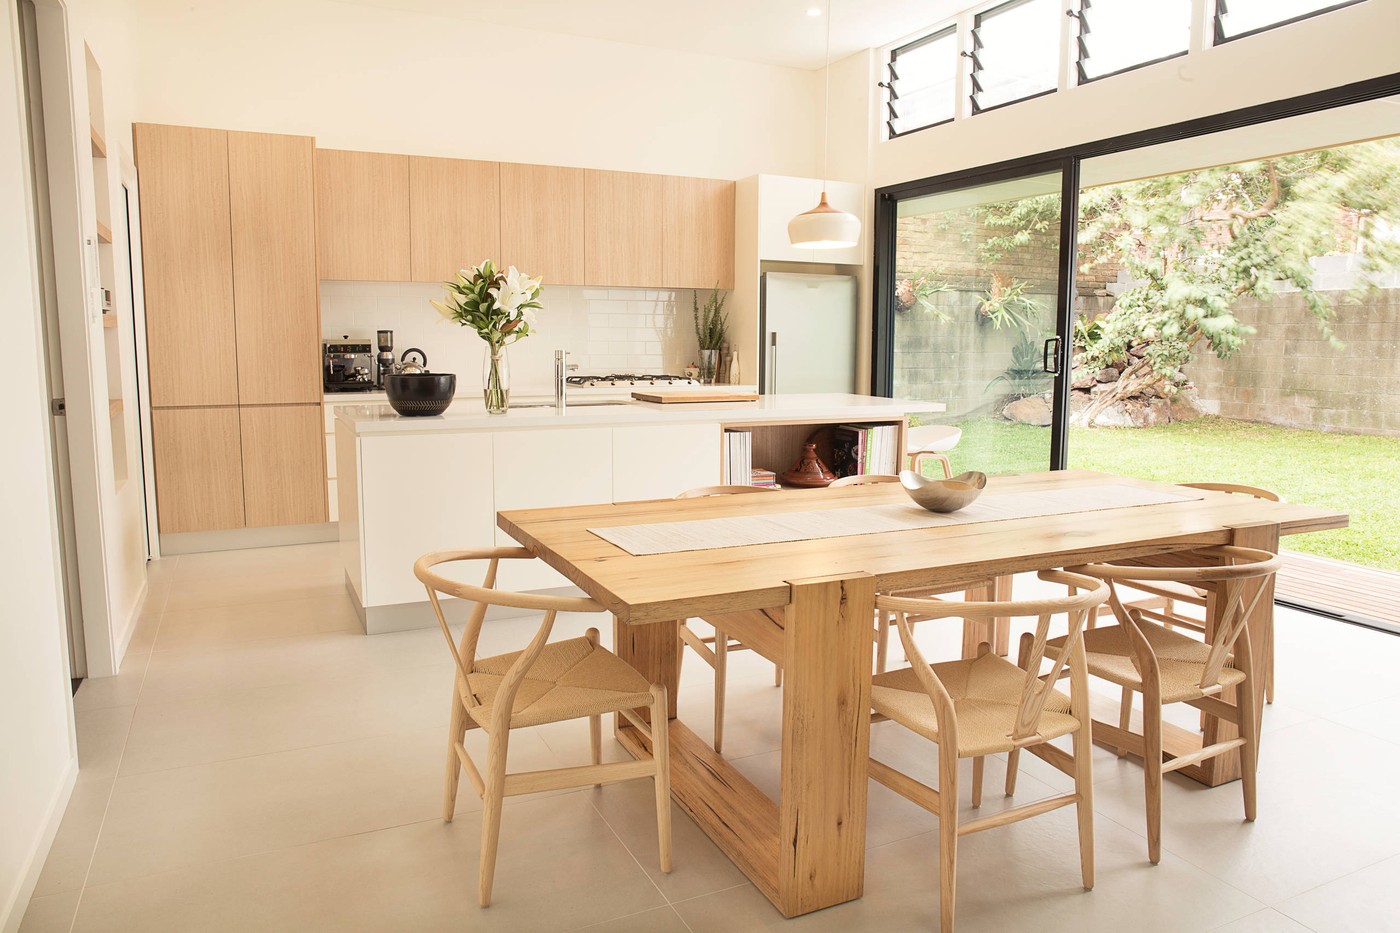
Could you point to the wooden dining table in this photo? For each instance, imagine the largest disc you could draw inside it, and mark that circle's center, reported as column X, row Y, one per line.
column 811, row 603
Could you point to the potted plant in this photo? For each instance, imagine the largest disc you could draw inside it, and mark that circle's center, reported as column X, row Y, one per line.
column 711, row 330
column 500, row 307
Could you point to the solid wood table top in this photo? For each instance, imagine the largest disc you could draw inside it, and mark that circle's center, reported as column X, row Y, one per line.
column 662, row 587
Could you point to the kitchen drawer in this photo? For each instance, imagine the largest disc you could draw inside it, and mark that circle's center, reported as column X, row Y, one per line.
column 330, row 457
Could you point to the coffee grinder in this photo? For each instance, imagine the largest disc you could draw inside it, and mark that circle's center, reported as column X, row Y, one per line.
column 385, row 360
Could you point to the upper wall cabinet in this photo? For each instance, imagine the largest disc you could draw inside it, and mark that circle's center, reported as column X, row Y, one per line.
column 187, row 262
column 623, row 222
column 363, row 215
column 273, row 221
column 698, row 238
column 542, row 229
column 454, row 215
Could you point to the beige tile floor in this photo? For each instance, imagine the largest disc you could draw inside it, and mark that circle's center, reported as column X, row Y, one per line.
column 260, row 766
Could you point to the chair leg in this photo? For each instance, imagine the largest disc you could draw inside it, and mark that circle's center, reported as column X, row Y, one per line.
column 456, row 732
column 1082, row 747
column 947, row 835
column 1125, row 716
column 1013, row 758
column 1249, row 751
column 721, row 668
column 979, row 765
column 1152, row 770
column 491, row 800
column 1269, row 661
column 882, row 640
column 661, row 754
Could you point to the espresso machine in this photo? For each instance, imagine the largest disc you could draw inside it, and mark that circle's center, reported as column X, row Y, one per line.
column 384, row 362
column 345, row 365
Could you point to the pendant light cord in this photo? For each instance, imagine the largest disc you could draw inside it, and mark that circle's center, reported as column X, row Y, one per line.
column 826, row 102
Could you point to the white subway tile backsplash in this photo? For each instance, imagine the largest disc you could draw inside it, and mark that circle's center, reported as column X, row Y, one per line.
column 604, row 329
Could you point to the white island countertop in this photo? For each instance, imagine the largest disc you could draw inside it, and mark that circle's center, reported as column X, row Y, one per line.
column 468, row 414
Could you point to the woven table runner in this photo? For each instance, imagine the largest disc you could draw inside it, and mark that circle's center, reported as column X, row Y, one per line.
column 781, row 527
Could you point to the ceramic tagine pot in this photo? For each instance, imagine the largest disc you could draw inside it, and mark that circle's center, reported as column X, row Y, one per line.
column 808, row 471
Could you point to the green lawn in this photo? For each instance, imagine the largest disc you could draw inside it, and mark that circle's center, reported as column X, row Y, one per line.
column 1353, row 473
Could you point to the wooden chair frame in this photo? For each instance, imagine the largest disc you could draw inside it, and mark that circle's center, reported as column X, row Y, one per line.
column 495, row 784
column 714, row 649
column 1068, row 661
column 1228, row 614
column 863, row 479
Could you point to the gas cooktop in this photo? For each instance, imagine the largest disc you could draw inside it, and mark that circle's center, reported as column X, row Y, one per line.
column 631, row 379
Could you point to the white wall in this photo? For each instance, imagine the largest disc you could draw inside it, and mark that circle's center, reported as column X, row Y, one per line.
column 1326, row 51
column 39, row 759
column 358, row 77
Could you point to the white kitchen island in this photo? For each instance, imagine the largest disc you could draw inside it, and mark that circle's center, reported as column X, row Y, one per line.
column 408, row 486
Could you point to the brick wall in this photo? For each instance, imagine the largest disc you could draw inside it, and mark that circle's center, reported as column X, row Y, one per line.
column 1288, row 374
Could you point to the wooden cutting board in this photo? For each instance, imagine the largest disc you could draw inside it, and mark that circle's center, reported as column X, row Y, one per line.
column 717, row 395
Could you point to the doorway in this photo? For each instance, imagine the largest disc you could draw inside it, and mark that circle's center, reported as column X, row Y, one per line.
column 53, row 355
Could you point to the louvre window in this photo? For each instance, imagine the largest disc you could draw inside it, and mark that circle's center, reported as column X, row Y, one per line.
column 1116, row 35
column 1236, row 18
column 1015, row 52
column 921, row 89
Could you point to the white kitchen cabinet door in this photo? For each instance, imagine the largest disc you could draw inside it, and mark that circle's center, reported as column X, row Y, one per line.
column 332, row 501
column 781, row 198
column 545, row 469
column 659, row 461
column 421, row 493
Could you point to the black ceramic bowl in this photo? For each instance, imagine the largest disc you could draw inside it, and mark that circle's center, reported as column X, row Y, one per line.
column 420, row 394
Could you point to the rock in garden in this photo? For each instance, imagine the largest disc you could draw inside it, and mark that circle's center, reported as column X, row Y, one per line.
column 1138, row 352
column 1107, row 374
column 1119, row 365
column 1032, row 409
column 1083, row 381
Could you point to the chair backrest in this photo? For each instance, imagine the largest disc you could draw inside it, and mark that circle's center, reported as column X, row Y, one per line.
column 1238, row 567
column 464, row 652
column 1086, row 595
column 935, row 437
column 1257, row 492
column 864, row 479
column 735, row 489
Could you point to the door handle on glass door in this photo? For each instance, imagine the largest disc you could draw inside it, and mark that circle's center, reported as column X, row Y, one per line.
column 1050, row 359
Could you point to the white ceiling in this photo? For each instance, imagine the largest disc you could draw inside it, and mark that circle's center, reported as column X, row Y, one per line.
column 777, row 32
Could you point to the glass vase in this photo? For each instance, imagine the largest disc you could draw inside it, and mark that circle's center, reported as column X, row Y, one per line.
column 709, row 366
column 495, row 380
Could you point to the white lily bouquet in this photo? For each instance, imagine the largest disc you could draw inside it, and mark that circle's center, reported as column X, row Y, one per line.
column 500, row 307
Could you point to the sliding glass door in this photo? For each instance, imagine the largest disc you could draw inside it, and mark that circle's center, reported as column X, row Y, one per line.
column 974, row 313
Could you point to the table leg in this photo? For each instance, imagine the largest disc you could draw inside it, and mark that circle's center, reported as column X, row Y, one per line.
column 655, row 651
column 982, row 631
column 826, row 742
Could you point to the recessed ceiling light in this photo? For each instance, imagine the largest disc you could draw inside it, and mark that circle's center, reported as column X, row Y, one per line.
column 814, row 11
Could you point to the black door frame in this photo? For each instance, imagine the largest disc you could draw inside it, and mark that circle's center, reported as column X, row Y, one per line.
column 1067, row 161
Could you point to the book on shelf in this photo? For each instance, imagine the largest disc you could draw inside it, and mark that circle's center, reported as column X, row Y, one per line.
column 761, row 477
column 738, row 457
column 865, row 448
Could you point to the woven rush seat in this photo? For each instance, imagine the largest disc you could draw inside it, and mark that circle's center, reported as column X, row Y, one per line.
column 570, row 679
column 986, row 694
column 1181, row 660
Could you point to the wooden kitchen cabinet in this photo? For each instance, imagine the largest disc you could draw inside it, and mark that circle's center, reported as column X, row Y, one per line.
column 199, row 468
column 542, row 227
column 623, row 220
column 284, row 470
column 362, row 215
column 272, row 210
column 698, row 238
column 187, row 263
column 454, row 216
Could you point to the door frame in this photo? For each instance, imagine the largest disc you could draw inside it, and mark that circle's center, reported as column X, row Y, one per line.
column 1068, row 160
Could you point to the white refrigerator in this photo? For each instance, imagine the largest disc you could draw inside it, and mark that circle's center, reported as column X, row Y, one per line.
column 808, row 323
